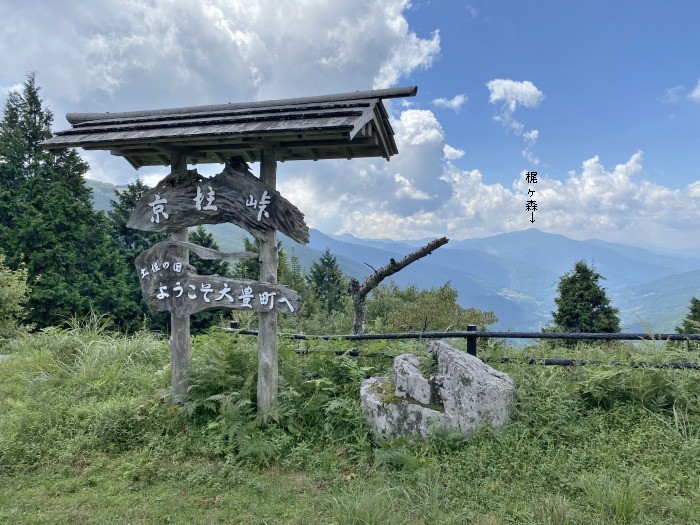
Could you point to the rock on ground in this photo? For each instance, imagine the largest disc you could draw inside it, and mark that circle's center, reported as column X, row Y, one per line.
column 463, row 393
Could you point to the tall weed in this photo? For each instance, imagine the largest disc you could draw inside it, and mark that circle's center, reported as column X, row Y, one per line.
column 616, row 498
column 551, row 509
column 83, row 390
column 369, row 506
column 654, row 389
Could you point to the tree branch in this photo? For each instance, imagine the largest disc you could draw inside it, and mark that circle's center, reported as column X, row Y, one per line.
column 393, row 267
column 359, row 292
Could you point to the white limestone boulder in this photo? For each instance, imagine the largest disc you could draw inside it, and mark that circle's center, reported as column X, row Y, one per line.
column 462, row 393
column 390, row 415
column 409, row 380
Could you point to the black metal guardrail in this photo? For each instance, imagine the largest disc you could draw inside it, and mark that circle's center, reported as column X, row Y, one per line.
column 472, row 336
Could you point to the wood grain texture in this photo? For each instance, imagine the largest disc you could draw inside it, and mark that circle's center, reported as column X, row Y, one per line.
column 235, row 195
column 208, row 253
column 268, row 343
column 169, row 283
column 396, row 92
column 179, row 324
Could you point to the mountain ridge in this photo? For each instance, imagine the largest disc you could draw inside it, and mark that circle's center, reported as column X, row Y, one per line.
column 514, row 274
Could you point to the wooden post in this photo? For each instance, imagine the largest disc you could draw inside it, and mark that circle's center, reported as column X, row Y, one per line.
column 179, row 326
column 267, row 327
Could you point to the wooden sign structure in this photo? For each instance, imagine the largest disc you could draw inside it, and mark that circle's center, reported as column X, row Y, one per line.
column 234, row 195
column 168, row 282
column 335, row 126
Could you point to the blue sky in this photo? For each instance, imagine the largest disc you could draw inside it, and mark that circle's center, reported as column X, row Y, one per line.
column 608, row 72
column 601, row 98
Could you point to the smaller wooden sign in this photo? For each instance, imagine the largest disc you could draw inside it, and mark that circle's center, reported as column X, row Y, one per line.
column 169, row 283
column 234, row 195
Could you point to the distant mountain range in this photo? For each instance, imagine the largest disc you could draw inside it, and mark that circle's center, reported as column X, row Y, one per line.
column 102, row 193
column 514, row 274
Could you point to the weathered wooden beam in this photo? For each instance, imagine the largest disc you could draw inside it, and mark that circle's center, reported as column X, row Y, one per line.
column 188, row 136
column 366, row 117
column 268, row 344
column 335, row 106
column 250, row 141
column 384, row 137
column 247, row 150
column 206, row 253
column 289, row 118
column 77, row 118
column 179, row 326
column 134, row 163
column 282, row 156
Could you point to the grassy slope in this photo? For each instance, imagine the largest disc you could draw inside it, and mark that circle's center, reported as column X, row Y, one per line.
column 87, row 436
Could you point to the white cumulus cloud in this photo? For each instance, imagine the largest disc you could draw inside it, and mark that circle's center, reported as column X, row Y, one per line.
column 455, row 103
column 514, row 93
column 16, row 88
column 592, row 202
column 678, row 93
column 509, row 94
column 531, row 136
column 114, row 56
column 329, row 192
column 452, row 153
column 694, row 189
column 119, row 56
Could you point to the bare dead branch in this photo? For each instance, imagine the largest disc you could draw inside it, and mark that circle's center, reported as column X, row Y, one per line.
column 360, row 292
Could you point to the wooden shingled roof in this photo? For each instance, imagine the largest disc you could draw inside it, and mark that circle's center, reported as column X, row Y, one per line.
column 345, row 125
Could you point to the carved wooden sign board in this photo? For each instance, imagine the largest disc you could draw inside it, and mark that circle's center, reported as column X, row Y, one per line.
column 235, row 195
column 169, row 283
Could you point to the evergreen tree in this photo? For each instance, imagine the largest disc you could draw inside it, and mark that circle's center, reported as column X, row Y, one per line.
column 290, row 273
column 328, row 283
column 132, row 243
column 582, row 305
column 691, row 322
column 200, row 321
column 249, row 268
column 201, row 237
column 47, row 221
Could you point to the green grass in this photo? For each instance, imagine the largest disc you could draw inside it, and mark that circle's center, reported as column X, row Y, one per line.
column 88, row 436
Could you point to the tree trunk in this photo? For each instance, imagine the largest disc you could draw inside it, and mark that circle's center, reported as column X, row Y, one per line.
column 360, row 292
column 359, row 306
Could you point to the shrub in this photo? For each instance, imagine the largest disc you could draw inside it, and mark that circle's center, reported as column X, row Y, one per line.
column 13, row 296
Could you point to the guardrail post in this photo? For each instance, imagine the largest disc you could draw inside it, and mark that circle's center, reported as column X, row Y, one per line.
column 471, row 340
